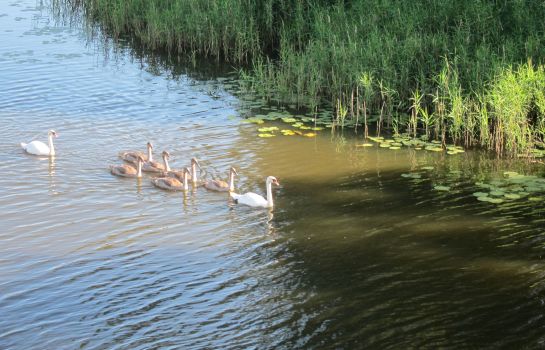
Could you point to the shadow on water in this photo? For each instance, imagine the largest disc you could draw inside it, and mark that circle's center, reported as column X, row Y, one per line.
column 389, row 274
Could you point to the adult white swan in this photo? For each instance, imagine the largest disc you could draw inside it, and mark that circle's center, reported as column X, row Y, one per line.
column 39, row 148
column 255, row 200
column 222, row 186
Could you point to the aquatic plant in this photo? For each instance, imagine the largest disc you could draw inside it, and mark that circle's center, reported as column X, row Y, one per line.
column 465, row 58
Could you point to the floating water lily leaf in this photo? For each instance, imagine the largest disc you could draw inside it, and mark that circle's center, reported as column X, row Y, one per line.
column 497, row 193
column 310, row 134
column 480, row 194
column 304, row 127
column 394, row 147
column 385, row 145
column 427, row 168
column 265, row 135
column 510, row 173
column 511, row 196
column 536, row 199
column 441, row 188
column 396, row 144
column 268, row 129
column 412, row 176
column 495, row 200
column 296, row 125
column 365, row 145
column 289, row 120
column 483, row 199
column 317, row 128
column 255, row 120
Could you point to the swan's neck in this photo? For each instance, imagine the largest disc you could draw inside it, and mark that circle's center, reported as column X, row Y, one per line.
column 231, row 181
column 186, row 187
column 139, row 169
column 51, row 147
column 167, row 166
column 269, row 195
column 194, row 173
column 150, row 155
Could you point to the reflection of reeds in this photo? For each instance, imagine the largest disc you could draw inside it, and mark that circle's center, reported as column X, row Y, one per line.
column 456, row 55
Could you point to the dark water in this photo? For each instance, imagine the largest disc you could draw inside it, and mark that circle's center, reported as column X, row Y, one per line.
column 354, row 255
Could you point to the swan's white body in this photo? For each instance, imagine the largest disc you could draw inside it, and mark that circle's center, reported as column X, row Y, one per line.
column 39, row 148
column 255, row 200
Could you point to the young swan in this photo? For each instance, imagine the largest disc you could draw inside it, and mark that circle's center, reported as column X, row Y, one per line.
column 132, row 156
column 222, row 186
column 172, row 183
column 126, row 170
column 255, row 200
column 156, row 167
column 39, row 148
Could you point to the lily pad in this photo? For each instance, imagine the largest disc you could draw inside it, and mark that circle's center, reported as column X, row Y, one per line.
column 365, row 145
column 289, row 120
column 412, row 176
column 427, row 168
column 394, row 147
column 265, row 135
column 441, row 188
column 268, row 129
column 255, row 120
column 310, row 134
column 495, row 200
column 480, row 194
column 511, row 196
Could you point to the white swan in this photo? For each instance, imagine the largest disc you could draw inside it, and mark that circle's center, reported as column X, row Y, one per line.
column 255, row 200
column 126, row 170
column 222, row 186
column 132, row 156
column 39, row 148
column 172, row 183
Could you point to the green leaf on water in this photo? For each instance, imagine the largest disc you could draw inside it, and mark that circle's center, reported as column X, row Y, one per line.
column 480, row 194
column 441, row 188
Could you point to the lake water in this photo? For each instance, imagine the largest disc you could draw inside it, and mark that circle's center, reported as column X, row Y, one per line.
column 359, row 251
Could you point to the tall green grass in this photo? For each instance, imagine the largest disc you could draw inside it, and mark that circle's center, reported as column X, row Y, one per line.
column 456, row 68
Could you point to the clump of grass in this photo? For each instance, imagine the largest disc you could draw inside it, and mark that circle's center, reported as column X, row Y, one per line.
column 458, row 68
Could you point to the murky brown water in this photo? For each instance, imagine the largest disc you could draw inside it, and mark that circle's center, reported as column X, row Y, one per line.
column 355, row 255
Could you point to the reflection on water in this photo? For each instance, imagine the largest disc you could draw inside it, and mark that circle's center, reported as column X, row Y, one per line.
column 354, row 255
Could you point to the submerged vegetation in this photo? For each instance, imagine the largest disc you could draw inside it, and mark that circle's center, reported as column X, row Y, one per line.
column 467, row 71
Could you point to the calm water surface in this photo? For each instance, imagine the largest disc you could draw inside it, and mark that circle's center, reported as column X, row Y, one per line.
column 354, row 256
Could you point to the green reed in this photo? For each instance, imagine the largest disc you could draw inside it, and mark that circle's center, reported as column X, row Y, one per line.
column 464, row 57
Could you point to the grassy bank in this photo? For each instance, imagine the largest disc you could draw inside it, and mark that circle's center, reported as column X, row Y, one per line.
column 466, row 70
